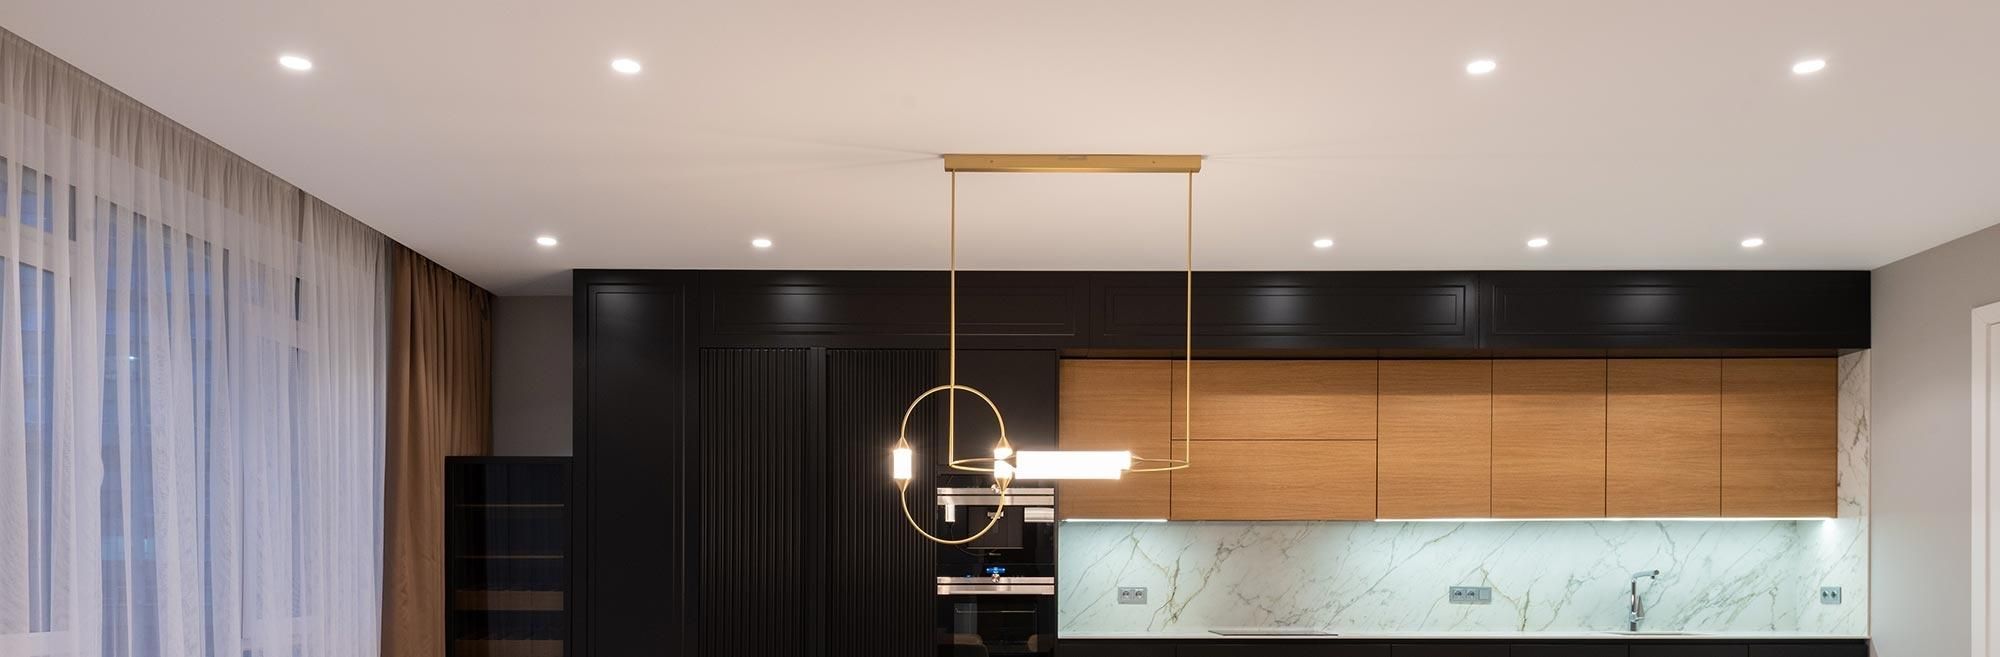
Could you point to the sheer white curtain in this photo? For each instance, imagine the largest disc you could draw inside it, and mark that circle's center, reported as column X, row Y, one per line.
column 191, row 390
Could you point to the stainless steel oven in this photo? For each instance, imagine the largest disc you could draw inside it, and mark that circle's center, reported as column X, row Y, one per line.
column 996, row 596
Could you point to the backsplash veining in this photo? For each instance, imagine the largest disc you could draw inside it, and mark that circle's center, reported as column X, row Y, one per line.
column 1546, row 576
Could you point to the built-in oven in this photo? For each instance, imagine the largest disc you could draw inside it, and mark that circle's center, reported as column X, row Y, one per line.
column 996, row 596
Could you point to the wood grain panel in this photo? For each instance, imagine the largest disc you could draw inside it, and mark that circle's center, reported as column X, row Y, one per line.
column 1279, row 400
column 1114, row 405
column 1548, row 438
column 1778, row 450
column 1435, row 454
column 1664, row 437
column 1277, row 480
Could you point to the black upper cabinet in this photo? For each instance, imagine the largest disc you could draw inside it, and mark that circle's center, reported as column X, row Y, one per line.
column 1286, row 310
column 901, row 309
column 1676, row 309
column 1022, row 383
column 1362, row 314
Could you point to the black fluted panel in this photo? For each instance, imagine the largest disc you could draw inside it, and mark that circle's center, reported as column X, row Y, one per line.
column 756, row 555
column 879, row 574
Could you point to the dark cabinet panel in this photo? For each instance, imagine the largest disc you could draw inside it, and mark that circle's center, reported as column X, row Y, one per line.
column 754, row 463
column 879, row 574
column 1675, row 309
column 891, row 309
column 630, row 460
column 1103, row 649
column 1572, row 650
column 1668, row 649
column 1284, row 648
column 1809, row 650
column 1023, row 383
column 1451, row 650
column 1286, row 310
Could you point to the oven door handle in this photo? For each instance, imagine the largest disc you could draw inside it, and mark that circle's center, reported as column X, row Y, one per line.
column 996, row 589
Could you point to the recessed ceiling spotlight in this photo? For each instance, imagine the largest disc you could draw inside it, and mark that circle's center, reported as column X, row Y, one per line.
column 1323, row 243
column 1481, row 66
column 1753, row 242
column 1809, row 66
column 1538, row 242
column 626, row 66
column 761, row 243
column 546, row 240
column 295, row 62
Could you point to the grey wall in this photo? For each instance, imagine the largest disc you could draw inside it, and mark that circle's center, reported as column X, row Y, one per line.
column 531, row 376
column 1922, row 491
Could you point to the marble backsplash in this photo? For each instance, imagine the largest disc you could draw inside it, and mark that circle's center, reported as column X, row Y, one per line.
column 1716, row 576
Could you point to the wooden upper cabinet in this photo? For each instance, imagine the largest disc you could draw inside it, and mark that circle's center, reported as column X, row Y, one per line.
column 1665, row 438
column 1435, row 451
column 1277, row 480
column 1279, row 400
column 1778, row 444
column 1548, row 438
column 1115, row 405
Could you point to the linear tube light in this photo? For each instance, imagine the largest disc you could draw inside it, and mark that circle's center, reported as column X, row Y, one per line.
column 1042, row 464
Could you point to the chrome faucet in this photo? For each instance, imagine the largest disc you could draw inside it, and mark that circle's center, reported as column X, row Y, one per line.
column 1638, row 610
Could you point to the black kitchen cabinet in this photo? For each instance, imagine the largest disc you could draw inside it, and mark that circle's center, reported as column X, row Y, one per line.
column 507, row 549
column 1808, row 650
column 1451, row 650
column 1284, row 648
column 1568, row 650
column 1103, row 649
column 1669, row 649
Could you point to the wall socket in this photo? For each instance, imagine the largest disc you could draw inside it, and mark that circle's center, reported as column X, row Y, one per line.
column 1829, row 595
column 1470, row 595
column 1131, row 595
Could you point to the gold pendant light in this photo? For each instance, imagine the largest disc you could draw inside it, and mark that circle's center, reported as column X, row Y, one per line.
column 1005, row 465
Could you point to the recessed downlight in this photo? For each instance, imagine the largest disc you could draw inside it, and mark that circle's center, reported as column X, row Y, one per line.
column 295, row 62
column 1538, row 242
column 1323, row 243
column 762, row 243
column 1753, row 242
column 1808, row 66
column 546, row 240
column 1481, row 66
column 626, row 66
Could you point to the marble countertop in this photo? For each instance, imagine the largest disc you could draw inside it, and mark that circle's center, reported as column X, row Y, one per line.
column 1601, row 635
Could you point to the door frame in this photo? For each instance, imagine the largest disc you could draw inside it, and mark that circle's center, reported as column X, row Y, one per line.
column 1984, row 380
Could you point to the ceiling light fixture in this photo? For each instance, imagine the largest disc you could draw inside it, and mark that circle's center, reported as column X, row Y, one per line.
column 1753, row 242
column 626, row 66
column 295, row 62
column 761, row 243
column 1809, row 66
column 546, row 240
column 1538, row 242
column 1481, row 66
column 1323, row 243
column 1006, row 465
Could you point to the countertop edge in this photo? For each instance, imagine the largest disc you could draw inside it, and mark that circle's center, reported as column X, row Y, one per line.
column 1460, row 636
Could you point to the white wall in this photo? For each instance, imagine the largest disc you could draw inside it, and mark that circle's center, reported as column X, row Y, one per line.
column 531, row 376
column 1922, row 493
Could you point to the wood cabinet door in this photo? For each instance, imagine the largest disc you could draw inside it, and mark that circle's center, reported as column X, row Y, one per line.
column 1277, row 480
column 1115, row 405
column 1664, row 431
column 1279, row 399
column 1435, row 450
column 1548, row 439
column 1778, row 444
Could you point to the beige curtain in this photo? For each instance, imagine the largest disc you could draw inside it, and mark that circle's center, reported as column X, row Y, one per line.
column 440, row 403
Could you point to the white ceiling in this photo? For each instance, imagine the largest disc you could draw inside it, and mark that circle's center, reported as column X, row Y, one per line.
column 1632, row 134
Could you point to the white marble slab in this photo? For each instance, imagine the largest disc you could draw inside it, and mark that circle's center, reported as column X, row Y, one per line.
column 1563, row 577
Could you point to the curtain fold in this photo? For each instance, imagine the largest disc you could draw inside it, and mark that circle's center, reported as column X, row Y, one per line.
column 440, row 404
column 192, row 385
